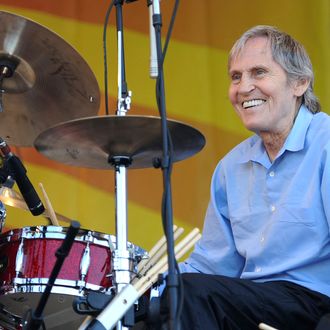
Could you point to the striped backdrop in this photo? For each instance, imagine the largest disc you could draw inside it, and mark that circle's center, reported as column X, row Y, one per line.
column 196, row 93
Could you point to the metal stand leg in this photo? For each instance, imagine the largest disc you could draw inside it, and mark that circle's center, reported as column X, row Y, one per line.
column 121, row 256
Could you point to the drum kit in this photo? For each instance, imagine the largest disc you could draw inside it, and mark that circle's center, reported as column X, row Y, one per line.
column 49, row 99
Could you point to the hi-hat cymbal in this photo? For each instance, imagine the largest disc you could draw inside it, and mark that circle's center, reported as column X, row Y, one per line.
column 50, row 81
column 91, row 142
column 12, row 198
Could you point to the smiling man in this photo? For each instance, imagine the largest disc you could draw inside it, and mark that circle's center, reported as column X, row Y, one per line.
column 265, row 251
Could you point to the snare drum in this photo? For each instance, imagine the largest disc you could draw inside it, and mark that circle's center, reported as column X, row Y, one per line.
column 27, row 257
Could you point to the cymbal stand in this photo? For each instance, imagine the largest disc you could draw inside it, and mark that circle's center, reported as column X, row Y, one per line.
column 7, row 69
column 121, row 256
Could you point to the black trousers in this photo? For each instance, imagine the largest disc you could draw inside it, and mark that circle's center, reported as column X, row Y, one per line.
column 219, row 302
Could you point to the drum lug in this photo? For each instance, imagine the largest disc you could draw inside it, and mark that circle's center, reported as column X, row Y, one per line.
column 3, row 215
column 19, row 259
column 85, row 263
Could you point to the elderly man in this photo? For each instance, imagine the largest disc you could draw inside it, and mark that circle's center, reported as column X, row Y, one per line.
column 265, row 251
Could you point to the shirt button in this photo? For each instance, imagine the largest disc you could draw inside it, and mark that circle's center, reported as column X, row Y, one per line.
column 272, row 208
column 272, row 173
column 258, row 269
column 262, row 239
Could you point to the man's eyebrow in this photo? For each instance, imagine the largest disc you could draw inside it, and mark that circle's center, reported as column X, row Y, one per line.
column 233, row 71
column 261, row 66
column 255, row 67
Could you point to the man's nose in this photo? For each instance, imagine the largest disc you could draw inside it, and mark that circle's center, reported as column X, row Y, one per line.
column 246, row 85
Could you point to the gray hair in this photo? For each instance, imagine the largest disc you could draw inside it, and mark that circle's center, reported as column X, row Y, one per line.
column 289, row 54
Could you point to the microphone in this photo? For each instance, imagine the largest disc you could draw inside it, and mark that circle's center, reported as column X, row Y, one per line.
column 25, row 186
column 153, row 70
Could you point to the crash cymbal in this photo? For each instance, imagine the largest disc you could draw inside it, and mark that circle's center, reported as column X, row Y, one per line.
column 45, row 81
column 12, row 198
column 90, row 142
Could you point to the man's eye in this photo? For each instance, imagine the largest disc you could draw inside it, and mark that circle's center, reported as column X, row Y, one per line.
column 235, row 77
column 260, row 72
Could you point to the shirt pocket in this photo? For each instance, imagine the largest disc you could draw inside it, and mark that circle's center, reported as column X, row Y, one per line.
column 303, row 215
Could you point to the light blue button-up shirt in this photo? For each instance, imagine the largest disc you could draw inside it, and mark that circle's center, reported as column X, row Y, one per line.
column 270, row 220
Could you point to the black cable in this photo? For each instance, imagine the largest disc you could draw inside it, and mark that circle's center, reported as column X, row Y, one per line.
column 168, row 36
column 167, row 40
column 181, row 294
column 170, row 28
column 169, row 165
column 106, row 21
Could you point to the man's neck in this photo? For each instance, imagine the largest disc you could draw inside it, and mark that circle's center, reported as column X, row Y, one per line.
column 273, row 142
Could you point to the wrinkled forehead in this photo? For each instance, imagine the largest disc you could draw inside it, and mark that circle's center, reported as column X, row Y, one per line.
column 257, row 48
column 260, row 45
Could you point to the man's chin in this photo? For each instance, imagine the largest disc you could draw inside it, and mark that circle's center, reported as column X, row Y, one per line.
column 253, row 127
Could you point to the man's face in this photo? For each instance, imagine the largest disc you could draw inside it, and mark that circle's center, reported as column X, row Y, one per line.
column 260, row 91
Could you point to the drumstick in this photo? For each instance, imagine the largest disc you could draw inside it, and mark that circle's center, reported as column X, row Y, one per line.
column 156, row 255
column 185, row 241
column 154, row 250
column 189, row 240
column 184, row 245
column 51, row 211
column 264, row 326
column 60, row 217
column 179, row 251
column 143, row 285
column 163, row 249
column 188, row 246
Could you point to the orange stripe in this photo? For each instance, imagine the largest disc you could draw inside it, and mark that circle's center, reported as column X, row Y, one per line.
column 217, row 23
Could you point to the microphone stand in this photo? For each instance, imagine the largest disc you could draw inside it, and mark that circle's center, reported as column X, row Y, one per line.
column 172, row 278
column 36, row 319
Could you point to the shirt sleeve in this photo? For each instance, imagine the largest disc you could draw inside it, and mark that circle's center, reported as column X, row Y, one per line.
column 325, row 184
column 216, row 252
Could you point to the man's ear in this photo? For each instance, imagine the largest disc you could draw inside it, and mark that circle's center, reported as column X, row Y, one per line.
column 300, row 86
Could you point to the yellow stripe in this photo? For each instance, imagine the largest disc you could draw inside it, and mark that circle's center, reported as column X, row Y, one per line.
column 94, row 209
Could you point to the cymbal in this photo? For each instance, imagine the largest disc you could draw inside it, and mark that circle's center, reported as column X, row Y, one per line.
column 12, row 198
column 45, row 81
column 90, row 142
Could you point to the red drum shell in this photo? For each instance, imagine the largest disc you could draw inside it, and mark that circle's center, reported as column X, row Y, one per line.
column 39, row 247
column 21, row 292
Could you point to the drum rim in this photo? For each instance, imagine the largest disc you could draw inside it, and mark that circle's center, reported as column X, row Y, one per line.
column 59, row 232
column 61, row 286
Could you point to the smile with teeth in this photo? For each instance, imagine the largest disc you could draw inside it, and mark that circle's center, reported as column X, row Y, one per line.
column 252, row 103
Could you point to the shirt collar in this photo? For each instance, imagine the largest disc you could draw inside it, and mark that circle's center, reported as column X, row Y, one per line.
column 294, row 142
column 296, row 139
